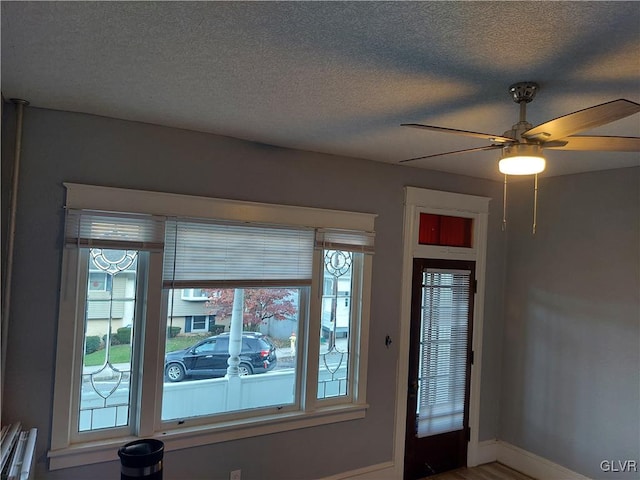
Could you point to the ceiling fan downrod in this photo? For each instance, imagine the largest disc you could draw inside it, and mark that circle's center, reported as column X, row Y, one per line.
column 523, row 93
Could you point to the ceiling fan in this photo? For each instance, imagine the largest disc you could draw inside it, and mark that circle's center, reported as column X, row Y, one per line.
column 521, row 147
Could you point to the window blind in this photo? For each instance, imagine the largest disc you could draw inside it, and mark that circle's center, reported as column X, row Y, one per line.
column 203, row 254
column 443, row 351
column 89, row 228
column 350, row 240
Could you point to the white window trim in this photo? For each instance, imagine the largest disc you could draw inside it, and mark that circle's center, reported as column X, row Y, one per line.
column 64, row 453
column 93, row 197
column 93, row 272
column 83, row 258
column 356, row 363
column 420, row 200
column 191, row 298
column 207, row 321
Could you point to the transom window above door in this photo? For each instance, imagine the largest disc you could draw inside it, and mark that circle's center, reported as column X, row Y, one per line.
column 445, row 230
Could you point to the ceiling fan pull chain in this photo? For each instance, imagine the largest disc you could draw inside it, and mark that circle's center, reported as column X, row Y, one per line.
column 504, row 204
column 535, row 202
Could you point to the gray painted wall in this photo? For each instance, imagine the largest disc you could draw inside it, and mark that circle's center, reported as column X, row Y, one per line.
column 571, row 364
column 62, row 146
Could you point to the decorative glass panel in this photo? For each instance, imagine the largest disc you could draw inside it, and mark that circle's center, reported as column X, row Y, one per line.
column 108, row 328
column 335, row 324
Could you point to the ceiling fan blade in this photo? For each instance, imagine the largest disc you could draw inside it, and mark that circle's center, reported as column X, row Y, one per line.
column 602, row 144
column 468, row 150
column 575, row 122
column 484, row 136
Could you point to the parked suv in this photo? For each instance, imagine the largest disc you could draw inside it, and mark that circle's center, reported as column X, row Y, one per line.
column 208, row 358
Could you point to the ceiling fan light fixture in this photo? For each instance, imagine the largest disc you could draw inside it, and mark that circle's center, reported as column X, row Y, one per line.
column 522, row 159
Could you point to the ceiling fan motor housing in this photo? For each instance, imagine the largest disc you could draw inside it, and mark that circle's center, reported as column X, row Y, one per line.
column 522, row 150
column 523, row 91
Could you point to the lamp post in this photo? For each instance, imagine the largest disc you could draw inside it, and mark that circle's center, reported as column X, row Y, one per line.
column 235, row 333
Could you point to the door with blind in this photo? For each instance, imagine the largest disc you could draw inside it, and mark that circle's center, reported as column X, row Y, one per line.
column 439, row 366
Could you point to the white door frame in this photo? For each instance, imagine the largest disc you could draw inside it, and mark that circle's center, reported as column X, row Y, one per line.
column 420, row 200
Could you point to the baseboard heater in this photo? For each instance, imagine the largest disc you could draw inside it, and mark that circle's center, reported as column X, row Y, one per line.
column 17, row 452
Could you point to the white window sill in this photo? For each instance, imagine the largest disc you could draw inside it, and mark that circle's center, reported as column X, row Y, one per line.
column 179, row 438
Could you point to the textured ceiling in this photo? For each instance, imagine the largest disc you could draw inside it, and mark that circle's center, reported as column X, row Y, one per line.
column 333, row 77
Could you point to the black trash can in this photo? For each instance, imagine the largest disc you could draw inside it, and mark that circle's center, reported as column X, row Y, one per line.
column 141, row 460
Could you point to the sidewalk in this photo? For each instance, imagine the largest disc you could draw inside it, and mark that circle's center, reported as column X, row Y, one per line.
column 107, row 374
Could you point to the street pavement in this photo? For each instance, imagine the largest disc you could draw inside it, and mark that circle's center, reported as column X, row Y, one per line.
column 286, row 359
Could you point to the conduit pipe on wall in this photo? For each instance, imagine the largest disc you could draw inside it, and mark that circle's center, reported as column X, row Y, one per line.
column 11, row 233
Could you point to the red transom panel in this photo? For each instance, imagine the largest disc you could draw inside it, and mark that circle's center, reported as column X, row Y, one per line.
column 445, row 230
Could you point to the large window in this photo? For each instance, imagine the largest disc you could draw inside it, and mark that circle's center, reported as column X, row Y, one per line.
column 231, row 325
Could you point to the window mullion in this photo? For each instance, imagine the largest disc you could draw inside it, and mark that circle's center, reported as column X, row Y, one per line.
column 355, row 325
column 81, row 274
column 152, row 355
column 313, row 334
column 362, row 348
column 66, row 393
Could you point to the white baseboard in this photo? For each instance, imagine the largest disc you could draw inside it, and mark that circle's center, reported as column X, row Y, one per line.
column 533, row 465
column 488, row 451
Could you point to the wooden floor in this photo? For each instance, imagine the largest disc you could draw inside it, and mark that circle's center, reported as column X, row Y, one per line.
column 489, row 471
